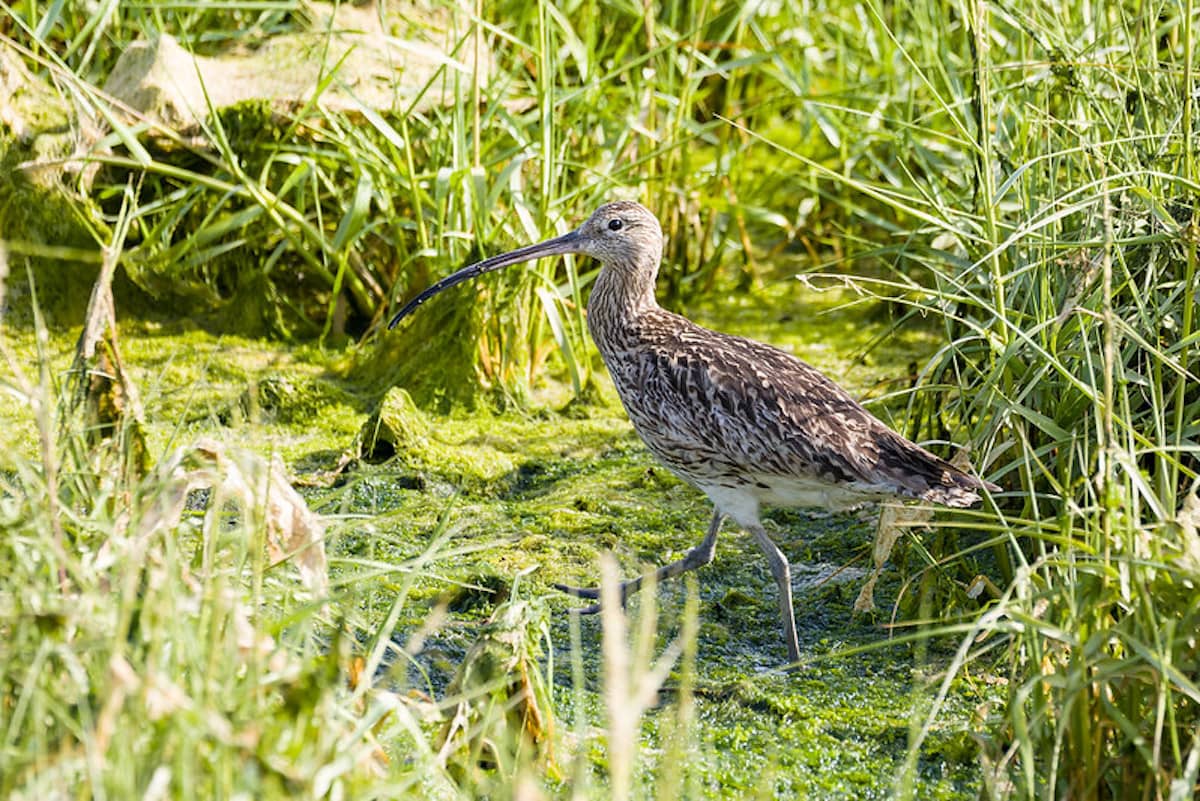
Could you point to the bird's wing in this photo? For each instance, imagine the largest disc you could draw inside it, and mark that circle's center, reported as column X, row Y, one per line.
column 741, row 404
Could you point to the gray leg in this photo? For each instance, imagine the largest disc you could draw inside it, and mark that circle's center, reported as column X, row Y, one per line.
column 699, row 556
column 783, row 579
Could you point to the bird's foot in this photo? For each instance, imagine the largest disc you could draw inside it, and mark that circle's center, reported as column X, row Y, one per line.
column 592, row 593
column 626, row 589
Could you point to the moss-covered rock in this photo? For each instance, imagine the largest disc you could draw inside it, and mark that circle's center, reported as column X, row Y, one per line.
column 387, row 55
column 396, row 426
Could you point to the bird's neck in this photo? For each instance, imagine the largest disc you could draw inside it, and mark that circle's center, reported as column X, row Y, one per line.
column 620, row 295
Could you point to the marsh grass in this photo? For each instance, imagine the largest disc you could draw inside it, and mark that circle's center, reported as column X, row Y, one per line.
column 1064, row 274
column 369, row 206
column 1023, row 177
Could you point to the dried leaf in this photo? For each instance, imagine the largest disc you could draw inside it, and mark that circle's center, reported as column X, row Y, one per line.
column 1188, row 519
column 245, row 478
column 894, row 519
column 865, row 602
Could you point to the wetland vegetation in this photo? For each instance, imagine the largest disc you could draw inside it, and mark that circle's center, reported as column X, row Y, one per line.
column 980, row 219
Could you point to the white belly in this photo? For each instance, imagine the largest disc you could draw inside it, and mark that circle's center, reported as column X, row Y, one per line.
column 792, row 491
column 742, row 503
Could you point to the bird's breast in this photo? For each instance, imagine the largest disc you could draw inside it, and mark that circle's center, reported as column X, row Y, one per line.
column 673, row 413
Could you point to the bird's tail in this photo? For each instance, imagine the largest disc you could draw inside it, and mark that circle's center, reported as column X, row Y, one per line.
column 930, row 478
column 963, row 491
column 957, row 488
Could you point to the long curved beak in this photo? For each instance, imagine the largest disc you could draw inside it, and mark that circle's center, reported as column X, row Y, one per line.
column 567, row 243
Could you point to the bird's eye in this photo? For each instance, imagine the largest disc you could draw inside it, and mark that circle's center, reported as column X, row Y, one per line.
column 615, row 225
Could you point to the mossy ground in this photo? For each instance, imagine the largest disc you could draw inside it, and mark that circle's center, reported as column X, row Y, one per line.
column 542, row 494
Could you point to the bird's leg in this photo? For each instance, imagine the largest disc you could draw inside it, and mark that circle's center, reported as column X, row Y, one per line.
column 783, row 578
column 699, row 556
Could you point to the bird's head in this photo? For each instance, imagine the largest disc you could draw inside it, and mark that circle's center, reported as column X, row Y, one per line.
column 623, row 235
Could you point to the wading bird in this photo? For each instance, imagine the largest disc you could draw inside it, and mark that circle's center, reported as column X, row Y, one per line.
column 744, row 422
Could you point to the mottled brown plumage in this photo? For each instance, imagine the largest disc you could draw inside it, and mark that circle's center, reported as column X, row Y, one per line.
column 744, row 422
